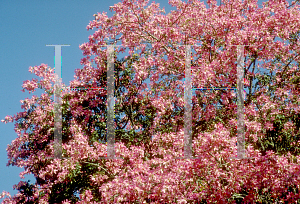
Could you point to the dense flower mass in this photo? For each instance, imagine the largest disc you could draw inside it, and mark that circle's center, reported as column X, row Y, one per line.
column 150, row 170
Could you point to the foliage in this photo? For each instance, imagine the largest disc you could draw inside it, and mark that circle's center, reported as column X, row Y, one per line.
column 150, row 170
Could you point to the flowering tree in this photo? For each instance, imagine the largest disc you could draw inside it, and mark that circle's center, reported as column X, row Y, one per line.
column 150, row 169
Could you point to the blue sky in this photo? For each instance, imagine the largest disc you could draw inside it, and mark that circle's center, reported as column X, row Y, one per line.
column 26, row 27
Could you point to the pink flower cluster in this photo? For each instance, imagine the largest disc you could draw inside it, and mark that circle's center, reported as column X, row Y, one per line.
column 161, row 177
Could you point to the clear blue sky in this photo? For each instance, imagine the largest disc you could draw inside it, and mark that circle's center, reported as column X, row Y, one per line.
column 25, row 28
